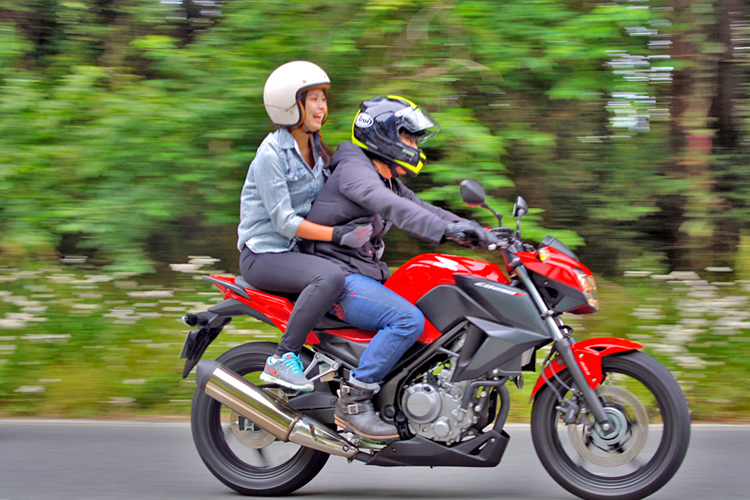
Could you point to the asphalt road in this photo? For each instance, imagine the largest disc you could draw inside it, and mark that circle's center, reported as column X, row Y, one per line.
column 112, row 460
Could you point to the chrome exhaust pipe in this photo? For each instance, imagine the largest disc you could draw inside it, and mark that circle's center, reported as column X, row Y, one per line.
column 267, row 411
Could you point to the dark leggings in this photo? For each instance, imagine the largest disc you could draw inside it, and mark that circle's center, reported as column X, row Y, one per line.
column 317, row 281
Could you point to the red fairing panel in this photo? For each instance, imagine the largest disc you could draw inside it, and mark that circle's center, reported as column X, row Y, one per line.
column 277, row 309
column 589, row 355
column 557, row 266
column 424, row 272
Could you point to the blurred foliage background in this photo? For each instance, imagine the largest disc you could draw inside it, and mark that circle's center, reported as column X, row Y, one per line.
column 126, row 128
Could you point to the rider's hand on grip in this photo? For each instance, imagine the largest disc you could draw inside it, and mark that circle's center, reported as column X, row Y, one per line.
column 492, row 241
column 353, row 234
column 469, row 233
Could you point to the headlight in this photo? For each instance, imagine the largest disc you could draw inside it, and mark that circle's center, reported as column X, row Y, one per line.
column 588, row 285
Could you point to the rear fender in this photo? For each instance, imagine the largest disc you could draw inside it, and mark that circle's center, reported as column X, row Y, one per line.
column 589, row 354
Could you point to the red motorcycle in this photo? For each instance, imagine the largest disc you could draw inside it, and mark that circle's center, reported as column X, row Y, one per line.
column 608, row 421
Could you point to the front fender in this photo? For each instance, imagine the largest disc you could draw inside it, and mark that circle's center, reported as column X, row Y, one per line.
column 589, row 355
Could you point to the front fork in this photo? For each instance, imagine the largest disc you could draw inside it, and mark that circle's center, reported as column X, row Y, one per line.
column 564, row 346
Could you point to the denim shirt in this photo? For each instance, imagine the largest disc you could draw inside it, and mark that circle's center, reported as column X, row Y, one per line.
column 278, row 193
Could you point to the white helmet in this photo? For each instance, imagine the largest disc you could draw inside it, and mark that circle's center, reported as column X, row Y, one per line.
column 283, row 89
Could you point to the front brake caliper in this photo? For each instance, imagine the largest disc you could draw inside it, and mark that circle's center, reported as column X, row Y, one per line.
column 569, row 410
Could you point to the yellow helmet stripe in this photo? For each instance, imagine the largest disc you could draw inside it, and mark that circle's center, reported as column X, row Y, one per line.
column 403, row 99
column 411, row 168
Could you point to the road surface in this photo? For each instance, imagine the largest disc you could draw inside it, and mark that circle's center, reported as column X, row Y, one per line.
column 153, row 460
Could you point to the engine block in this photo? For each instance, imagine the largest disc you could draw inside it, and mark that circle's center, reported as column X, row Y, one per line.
column 434, row 410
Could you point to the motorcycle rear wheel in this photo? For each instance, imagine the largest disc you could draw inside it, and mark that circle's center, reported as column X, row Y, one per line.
column 653, row 432
column 245, row 458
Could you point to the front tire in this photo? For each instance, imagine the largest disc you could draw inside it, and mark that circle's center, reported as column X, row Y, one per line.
column 248, row 459
column 652, row 418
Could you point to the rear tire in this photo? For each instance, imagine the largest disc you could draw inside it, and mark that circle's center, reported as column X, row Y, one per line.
column 645, row 399
column 245, row 463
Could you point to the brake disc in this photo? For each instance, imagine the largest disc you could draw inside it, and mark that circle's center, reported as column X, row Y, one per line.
column 248, row 433
column 630, row 419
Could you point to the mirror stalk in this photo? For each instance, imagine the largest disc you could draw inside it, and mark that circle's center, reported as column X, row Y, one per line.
column 497, row 215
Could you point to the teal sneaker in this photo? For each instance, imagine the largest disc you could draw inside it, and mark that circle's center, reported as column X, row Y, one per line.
column 286, row 371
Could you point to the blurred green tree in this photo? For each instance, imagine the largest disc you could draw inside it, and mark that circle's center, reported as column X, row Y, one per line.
column 127, row 125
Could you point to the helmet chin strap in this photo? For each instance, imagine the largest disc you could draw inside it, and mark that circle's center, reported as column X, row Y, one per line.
column 318, row 147
column 394, row 170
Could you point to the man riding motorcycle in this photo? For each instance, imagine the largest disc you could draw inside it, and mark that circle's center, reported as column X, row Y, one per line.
column 364, row 185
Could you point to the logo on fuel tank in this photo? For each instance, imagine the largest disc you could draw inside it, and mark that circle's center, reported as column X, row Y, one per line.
column 495, row 288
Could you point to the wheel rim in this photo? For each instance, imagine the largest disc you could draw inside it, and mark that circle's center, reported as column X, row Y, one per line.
column 630, row 419
column 638, row 446
column 243, row 448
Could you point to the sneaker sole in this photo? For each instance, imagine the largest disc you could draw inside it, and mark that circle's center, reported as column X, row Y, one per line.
column 349, row 428
column 273, row 380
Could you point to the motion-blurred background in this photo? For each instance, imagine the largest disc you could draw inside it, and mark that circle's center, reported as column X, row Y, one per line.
column 126, row 128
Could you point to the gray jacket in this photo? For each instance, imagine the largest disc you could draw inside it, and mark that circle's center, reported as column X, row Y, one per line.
column 278, row 193
column 354, row 190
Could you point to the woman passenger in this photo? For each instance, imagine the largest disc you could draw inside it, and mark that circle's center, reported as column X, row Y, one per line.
column 288, row 172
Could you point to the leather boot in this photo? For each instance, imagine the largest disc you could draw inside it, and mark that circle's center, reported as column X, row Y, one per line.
column 356, row 413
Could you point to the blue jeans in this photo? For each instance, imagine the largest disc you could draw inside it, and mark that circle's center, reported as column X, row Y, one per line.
column 367, row 304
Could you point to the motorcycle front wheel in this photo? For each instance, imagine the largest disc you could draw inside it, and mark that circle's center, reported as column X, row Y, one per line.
column 652, row 422
column 244, row 457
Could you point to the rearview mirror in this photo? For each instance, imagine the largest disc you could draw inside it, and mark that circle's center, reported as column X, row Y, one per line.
column 472, row 193
column 521, row 208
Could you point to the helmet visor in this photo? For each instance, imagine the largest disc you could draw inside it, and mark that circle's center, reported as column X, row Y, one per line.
column 419, row 122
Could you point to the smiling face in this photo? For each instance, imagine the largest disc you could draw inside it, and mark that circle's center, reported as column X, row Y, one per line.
column 316, row 109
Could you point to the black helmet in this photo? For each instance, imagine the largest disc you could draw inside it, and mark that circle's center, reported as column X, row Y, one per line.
column 378, row 125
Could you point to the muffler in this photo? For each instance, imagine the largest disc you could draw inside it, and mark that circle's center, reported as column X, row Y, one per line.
column 267, row 411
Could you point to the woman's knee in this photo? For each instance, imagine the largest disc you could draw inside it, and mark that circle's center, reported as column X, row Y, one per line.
column 330, row 279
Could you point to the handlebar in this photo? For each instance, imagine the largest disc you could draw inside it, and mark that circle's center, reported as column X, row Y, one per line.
column 508, row 238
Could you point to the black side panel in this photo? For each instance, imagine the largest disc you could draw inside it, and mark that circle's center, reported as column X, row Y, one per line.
column 331, row 322
column 509, row 305
column 235, row 288
column 501, row 349
column 318, row 405
column 475, row 338
column 347, row 351
column 446, row 305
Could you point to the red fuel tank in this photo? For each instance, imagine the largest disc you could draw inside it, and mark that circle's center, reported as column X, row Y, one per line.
column 424, row 272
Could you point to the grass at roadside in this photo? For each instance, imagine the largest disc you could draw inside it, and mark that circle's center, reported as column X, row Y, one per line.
column 77, row 343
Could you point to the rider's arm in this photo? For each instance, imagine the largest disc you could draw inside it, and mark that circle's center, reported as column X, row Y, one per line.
column 362, row 185
column 443, row 214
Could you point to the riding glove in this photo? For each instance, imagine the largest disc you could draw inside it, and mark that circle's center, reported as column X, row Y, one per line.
column 470, row 233
column 353, row 234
